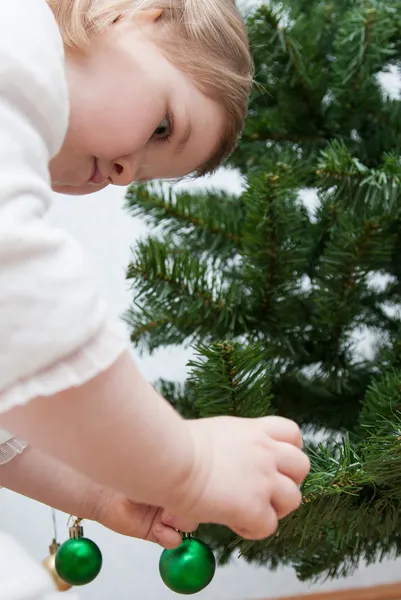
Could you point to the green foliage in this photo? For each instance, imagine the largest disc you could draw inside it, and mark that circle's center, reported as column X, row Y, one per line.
column 274, row 293
column 350, row 511
column 208, row 220
column 231, row 380
column 171, row 289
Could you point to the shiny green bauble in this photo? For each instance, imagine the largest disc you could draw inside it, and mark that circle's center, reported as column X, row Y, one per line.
column 189, row 568
column 78, row 561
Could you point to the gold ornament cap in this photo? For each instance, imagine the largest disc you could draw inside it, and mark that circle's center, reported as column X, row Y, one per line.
column 54, row 546
column 76, row 531
column 50, row 566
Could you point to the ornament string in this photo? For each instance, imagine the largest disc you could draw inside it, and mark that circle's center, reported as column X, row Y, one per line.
column 55, row 536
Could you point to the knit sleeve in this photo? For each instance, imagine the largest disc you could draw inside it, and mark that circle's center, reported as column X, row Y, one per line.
column 55, row 331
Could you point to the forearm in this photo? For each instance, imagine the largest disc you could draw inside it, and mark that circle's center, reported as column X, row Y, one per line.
column 42, row 478
column 117, row 430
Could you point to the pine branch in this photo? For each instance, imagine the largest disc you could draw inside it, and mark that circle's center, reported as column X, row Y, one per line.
column 275, row 136
column 151, row 329
column 305, row 398
column 362, row 45
column 274, row 226
column 209, row 221
column 177, row 295
column 172, row 277
column 338, row 165
column 348, row 488
column 256, row 156
column 274, row 19
column 229, row 379
column 382, row 404
column 326, row 222
column 336, row 298
column 284, row 75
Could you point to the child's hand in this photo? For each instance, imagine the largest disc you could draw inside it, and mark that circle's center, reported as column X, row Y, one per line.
column 246, row 473
column 116, row 512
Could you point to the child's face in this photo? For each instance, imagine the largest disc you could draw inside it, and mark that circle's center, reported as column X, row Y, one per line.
column 133, row 114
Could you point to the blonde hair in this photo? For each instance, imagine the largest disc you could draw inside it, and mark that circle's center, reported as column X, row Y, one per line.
column 206, row 39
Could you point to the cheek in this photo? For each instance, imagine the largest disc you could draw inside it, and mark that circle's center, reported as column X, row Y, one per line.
column 117, row 124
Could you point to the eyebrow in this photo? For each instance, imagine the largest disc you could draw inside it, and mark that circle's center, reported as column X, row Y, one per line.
column 184, row 138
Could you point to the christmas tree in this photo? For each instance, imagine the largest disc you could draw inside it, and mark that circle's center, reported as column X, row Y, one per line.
column 275, row 295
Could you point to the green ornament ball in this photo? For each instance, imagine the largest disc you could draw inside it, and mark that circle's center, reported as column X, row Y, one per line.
column 78, row 561
column 189, row 568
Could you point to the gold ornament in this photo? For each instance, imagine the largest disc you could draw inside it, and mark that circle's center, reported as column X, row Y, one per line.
column 49, row 564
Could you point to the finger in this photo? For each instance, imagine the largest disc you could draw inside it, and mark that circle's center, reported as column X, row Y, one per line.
column 286, row 496
column 165, row 536
column 259, row 529
column 283, row 430
column 291, row 462
column 183, row 524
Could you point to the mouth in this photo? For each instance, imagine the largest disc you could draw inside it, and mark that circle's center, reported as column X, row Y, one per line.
column 97, row 176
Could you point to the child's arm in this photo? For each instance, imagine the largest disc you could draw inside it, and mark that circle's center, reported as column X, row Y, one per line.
column 42, row 478
column 120, row 432
column 116, row 429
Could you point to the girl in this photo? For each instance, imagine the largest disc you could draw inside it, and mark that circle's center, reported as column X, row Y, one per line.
column 93, row 93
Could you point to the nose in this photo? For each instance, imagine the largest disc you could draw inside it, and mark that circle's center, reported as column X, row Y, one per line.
column 123, row 172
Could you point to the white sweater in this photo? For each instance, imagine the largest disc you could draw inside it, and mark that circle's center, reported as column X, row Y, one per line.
column 55, row 331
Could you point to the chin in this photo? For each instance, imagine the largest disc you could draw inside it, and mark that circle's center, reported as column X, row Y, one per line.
column 65, row 188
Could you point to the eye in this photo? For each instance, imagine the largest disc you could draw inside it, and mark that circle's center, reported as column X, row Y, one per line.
column 164, row 130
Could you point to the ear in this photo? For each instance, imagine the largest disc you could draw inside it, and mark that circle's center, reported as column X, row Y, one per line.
column 149, row 16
